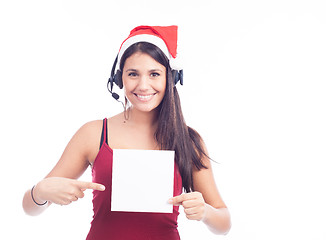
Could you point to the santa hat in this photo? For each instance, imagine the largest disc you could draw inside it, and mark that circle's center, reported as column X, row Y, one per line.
column 164, row 37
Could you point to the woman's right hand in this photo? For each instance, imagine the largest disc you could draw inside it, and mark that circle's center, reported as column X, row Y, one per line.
column 62, row 191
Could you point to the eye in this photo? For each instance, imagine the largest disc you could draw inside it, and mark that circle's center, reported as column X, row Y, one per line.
column 132, row 74
column 155, row 74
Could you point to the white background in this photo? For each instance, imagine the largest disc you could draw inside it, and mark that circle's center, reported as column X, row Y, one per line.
column 254, row 88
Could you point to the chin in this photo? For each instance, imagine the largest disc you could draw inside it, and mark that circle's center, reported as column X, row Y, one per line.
column 145, row 109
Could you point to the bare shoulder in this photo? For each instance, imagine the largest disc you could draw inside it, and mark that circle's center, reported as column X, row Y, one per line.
column 90, row 135
column 91, row 127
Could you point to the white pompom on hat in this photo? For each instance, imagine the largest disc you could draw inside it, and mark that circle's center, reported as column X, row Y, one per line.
column 164, row 37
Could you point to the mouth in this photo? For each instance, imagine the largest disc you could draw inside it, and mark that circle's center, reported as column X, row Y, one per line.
column 144, row 97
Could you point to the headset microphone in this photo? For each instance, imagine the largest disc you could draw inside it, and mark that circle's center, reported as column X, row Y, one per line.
column 110, row 86
column 113, row 79
column 115, row 96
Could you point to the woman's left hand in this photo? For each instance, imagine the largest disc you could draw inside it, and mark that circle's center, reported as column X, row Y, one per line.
column 193, row 203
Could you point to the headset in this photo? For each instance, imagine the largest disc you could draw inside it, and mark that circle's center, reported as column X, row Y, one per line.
column 116, row 78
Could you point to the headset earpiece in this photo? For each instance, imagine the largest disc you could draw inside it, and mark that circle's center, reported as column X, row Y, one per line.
column 110, row 84
column 178, row 76
column 117, row 78
column 181, row 77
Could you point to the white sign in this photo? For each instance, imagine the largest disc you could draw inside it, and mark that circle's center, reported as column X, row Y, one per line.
column 142, row 180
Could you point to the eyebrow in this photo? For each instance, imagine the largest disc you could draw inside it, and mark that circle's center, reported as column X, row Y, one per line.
column 131, row 70
column 156, row 70
column 152, row 70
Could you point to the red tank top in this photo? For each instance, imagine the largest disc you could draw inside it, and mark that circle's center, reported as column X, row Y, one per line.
column 108, row 225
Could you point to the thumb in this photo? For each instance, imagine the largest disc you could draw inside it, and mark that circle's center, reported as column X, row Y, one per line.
column 176, row 201
column 91, row 185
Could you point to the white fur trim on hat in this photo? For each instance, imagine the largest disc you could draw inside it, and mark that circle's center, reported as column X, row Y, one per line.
column 157, row 41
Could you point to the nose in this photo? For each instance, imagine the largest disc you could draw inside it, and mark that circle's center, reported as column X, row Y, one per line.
column 143, row 84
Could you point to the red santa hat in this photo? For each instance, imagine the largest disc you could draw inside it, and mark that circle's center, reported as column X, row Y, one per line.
column 164, row 37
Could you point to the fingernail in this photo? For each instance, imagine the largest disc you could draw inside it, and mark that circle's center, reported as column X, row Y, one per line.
column 102, row 188
column 170, row 201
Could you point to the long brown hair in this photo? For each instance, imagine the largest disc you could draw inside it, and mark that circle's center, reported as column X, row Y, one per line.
column 172, row 132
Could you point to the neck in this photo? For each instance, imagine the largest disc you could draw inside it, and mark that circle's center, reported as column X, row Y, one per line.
column 143, row 119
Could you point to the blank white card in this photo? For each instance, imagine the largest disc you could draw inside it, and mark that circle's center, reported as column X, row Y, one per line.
column 142, row 180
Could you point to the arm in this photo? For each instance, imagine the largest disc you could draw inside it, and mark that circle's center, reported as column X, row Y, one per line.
column 205, row 204
column 60, row 186
column 216, row 215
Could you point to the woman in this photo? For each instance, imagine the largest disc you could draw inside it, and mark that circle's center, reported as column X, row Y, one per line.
column 145, row 69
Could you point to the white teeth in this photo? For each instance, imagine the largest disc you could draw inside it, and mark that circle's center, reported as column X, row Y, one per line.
column 144, row 96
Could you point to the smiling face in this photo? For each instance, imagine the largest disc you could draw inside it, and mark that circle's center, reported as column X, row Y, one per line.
column 144, row 81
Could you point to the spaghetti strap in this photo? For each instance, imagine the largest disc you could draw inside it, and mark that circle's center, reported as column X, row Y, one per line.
column 104, row 134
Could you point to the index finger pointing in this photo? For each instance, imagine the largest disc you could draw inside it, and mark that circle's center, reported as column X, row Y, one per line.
column 91, row 185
